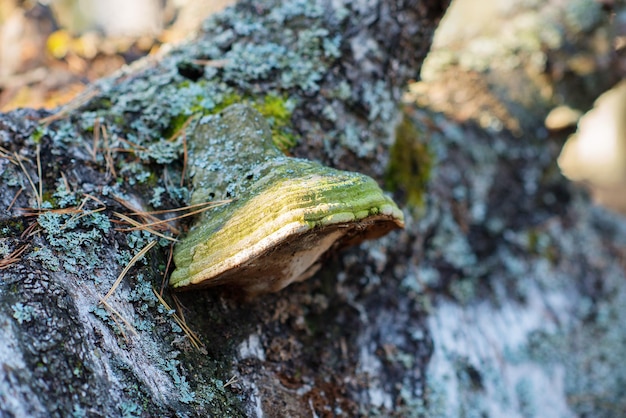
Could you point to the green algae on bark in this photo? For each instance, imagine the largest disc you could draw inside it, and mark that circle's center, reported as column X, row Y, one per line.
column 286, row 212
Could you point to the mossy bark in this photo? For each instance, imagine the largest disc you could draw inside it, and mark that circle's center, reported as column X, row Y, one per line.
column 495, row 236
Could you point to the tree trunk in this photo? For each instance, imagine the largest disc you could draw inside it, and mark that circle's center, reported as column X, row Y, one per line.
column 503, row 295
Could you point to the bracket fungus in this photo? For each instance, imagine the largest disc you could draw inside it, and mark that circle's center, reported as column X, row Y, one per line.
column 285, row 213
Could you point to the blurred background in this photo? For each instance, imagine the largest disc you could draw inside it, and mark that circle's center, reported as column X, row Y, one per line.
column 51, row 49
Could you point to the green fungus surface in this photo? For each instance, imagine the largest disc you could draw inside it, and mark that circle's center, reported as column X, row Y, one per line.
column 282, row 214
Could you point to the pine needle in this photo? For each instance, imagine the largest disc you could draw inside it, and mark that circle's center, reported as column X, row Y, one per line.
column 14, row 257
column 116, row 313
column 182, row 132
column 135, row 210
column 231, row 381
column 127, row 268
column 66, row 183
column 30, row 180
column 72, row 210
column 195, row 341
column 167, row 268
column 83, row 213
column 212, row 63
column 95, row 199
column 30, row 230
column 182, row 129
column 40, row 200
column 152, row 224
column 6, row 154
column 133, row 147
column 140, row 226
column 96, row 140
column 184, row 208
column 108, row 153
column 166, row 221
column 28, row 212
column 19, row 192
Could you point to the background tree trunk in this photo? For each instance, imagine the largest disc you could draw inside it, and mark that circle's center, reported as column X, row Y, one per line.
column 503, row 295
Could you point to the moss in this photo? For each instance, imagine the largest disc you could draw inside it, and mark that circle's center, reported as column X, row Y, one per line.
column 176, row 124
column 37, row 134
column 410, row 164
column 11, row 227
column 540, row 243
column 227, row 100
column 276, row 108
column 277, row 111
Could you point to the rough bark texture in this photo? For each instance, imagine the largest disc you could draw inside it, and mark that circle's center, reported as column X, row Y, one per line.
column 504, row 295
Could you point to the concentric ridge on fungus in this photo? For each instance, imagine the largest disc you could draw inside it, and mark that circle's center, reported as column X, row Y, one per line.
column 285, row 215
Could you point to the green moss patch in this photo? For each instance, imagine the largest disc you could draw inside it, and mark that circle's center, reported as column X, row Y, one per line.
column 410, row 164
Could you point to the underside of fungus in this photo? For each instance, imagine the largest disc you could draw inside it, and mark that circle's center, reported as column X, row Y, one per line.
column 285, row 215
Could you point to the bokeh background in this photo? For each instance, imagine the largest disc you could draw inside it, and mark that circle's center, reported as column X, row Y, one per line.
column 50, row 50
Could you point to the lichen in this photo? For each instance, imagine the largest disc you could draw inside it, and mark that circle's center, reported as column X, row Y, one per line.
column 23, row 313
column 47, row 257
column 78, row 238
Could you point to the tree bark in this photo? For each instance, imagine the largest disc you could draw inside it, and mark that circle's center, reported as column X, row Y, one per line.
column 490, row 302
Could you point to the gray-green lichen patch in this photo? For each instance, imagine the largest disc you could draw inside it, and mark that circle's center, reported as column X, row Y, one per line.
column 285, row 214
column 131, row 362
column 78, row 239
